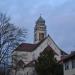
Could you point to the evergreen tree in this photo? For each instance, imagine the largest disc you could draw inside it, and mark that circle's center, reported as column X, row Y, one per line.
column 47, row 64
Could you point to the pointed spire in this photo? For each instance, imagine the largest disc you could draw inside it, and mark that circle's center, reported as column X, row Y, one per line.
column 40, row 20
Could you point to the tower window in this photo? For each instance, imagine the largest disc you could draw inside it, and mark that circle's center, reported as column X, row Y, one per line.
column 41, row 36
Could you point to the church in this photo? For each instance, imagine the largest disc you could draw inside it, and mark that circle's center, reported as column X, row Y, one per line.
column 25, row 54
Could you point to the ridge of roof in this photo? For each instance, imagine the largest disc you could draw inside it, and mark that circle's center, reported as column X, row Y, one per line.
column 58, row 46
column 25, row 47
column 40, row 42
column 28, row 47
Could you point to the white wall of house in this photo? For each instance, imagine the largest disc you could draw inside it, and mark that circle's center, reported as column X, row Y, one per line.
column 24, row 56
column 70, row 71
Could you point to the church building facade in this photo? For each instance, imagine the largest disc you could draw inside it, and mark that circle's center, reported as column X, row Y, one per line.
column 25, row 54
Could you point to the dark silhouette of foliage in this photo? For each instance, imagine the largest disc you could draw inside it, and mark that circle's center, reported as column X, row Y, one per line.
column 47, row 64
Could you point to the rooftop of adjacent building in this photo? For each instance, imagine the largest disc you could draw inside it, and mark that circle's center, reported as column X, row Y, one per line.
column 68, row 57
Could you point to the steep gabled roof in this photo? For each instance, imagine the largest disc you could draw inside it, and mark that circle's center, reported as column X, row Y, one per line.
column 62, row 52
column 27, row 47
column 20, row 64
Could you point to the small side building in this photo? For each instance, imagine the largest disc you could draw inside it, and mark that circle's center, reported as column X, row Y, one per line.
column 69, row 64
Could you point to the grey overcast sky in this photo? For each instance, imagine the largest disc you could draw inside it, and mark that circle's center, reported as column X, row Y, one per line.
column 58, row 14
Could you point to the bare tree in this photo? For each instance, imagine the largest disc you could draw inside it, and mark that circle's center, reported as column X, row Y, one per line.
column 10, row 37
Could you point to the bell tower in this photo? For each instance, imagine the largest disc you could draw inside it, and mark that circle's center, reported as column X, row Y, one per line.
column 39, row 30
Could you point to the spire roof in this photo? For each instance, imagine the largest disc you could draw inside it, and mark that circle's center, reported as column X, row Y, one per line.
column 40, row 19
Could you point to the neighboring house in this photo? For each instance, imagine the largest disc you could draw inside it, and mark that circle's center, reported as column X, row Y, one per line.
column 25, row 54
column 69, row 64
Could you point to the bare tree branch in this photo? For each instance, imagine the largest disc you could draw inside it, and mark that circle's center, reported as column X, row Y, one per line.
column 10, row 36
